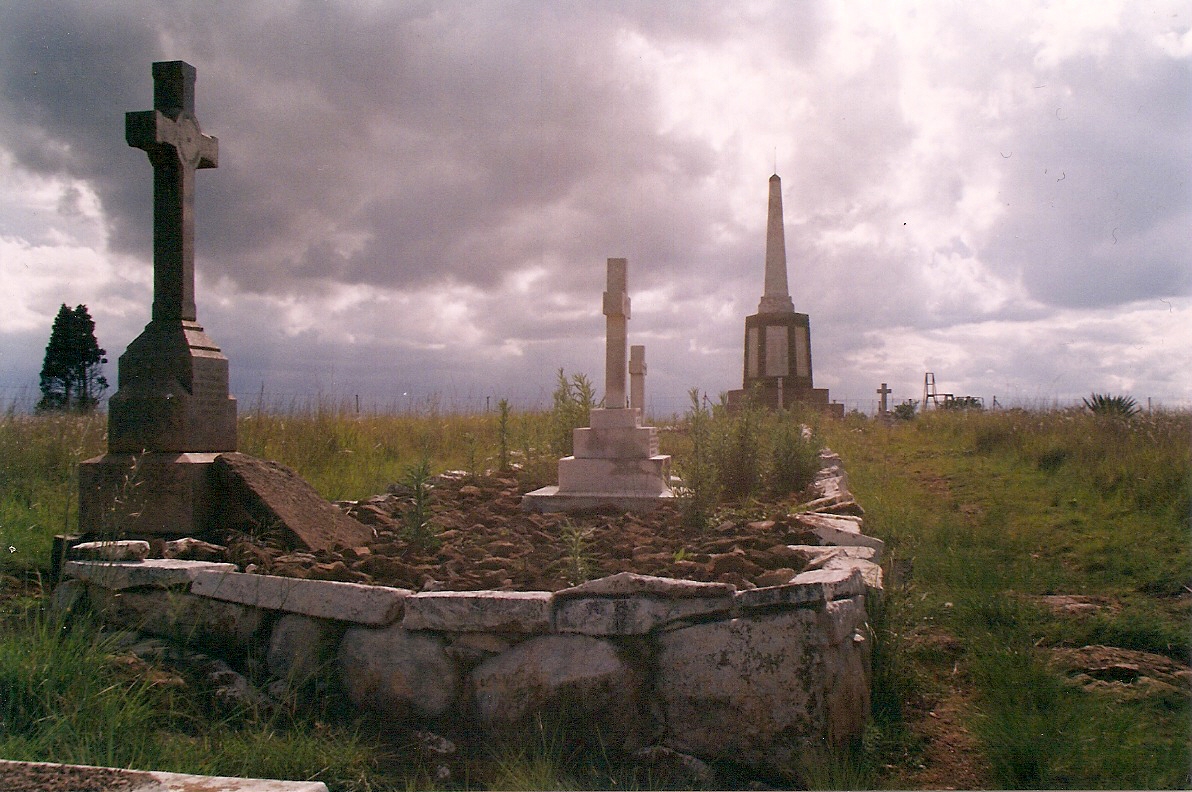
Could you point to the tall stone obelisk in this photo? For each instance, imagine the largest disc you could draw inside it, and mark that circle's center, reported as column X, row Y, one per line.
column 172, row 413
column 776, row 297
column 777, row 339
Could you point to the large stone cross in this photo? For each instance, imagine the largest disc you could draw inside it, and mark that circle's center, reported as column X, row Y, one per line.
column 170, row 134
column 616, row 311
column 883, row 392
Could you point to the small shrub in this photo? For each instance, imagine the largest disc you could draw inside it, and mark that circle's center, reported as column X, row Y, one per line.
column 573, row 400
column 906, row 410
column 739, row 472
column 794, row 461
column 418, row 529
column 503, row 435
column 700, row 491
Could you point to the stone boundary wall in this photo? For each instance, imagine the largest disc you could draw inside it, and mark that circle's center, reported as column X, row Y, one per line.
column 752, row 676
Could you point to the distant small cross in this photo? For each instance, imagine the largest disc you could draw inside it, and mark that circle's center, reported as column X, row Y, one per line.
column 170, row 135
column 883, row 392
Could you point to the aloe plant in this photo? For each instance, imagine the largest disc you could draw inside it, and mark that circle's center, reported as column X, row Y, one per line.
column 1117, row 406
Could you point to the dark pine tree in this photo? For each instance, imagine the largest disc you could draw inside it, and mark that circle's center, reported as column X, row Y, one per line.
column 72, row 373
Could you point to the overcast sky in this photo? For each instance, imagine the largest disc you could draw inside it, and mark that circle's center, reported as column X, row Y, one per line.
column 417, row 199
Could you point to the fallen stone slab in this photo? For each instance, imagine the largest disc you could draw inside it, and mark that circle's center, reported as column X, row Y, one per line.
column 632, row 615
column 322, row 599
column 625, row 583
column 839, row 530
column 806, row 589
column 52, row 777
column 159, row 572
column 273, row 494
column 479, row 611
column 118, row 550
column 871, row 572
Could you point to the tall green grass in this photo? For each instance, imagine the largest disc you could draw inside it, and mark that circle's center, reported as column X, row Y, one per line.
column 982, row 511
column 39, row 458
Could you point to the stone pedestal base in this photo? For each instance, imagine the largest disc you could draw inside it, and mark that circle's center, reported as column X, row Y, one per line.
column 771, row 397
column 150, row 493
column 616, row 463
column 173, row 393
column 550, row 499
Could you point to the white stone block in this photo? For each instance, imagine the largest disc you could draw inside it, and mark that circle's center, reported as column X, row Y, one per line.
column 614, row 476
column 322, row 599
column 614, row 418
column 161, row 572
column 630, row 442
column 479, row 611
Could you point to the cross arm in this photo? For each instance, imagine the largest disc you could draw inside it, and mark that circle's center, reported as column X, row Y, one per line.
column 153, row 130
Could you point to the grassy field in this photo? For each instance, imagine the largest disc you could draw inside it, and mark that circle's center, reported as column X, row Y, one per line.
column 989, row 519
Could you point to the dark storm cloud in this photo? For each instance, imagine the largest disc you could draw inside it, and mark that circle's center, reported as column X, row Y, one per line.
column 398, row 145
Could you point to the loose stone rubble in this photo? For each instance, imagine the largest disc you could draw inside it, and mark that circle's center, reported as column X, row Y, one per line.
column 680, row 672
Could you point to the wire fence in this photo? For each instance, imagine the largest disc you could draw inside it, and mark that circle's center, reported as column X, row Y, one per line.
column 21, row 399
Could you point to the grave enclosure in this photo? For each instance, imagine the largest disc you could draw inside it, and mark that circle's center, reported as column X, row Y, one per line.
column 754, row 675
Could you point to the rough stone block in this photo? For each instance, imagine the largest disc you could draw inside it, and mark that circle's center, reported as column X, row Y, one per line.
column 178, row 616
column 160, row 572
column 150, row 493
column 633, row 615
column 301, row 647
column 397, row 673
column 323, row 599
column 759, row 690
column 479, row 611
column 274, row 494
column 571, row 678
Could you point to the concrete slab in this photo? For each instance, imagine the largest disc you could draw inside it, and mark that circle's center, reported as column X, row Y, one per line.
column 376, row 606
column 53, row 777
column 479, row 611
column 160, row 572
